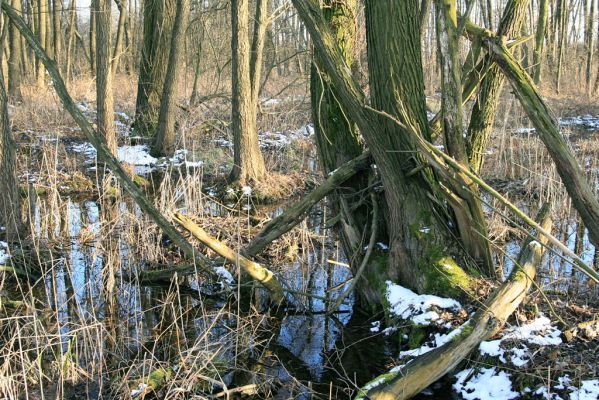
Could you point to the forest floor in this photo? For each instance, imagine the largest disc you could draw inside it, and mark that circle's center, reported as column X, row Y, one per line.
column 190, row 339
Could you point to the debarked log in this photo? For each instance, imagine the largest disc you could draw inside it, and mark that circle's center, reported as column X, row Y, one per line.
column 487, row 321
column 263, row 275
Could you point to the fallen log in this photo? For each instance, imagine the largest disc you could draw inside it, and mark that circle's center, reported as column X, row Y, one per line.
column 412, row 378
column 296, row 213
column 263, row 275
column 99, row 143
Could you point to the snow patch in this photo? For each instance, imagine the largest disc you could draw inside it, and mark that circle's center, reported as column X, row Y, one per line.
column 4, row 256
column 485, row 384
column 407, row 305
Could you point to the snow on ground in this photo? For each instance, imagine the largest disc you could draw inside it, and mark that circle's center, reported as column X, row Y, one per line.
column 139, row 156
column 437, row 341
column 588, row 122
column 408, row 305
column 539, row 332
column 3, row 253
column 274, row 140
column 485, row 384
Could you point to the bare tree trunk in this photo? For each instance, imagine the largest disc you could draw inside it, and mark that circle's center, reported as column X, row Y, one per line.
column 71, row 37
column 104, row 96
column 93, row 21
column 10, row 202
column 539, row 40
column 57, row 27
column 120, row 33
column 469, row 213
column 14, row 62
column 485, row 108
column 158, row 22
column 248, row 164
column 164, row 141
column 590, row 45
column 41, row 34
column 260, row 25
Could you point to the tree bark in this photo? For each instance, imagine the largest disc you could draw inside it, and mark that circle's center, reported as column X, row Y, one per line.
column 539, row 40
column 158, row 22
column 120, row 34
column 104, row 94
column 573, row 177
column 10, row 201
column 57, row 28
column 41, row 34
column 248, row 163
column 485, row 108
column 14, row 61
column 469, row 213
column 164, row 140
column 93, row 20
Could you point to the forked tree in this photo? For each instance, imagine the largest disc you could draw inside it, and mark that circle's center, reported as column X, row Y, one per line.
column 158, row 20
column 164, row 139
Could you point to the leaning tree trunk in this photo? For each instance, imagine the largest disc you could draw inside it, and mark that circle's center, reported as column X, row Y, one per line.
column 158, row 22
column 10, row 209
column 104, row 95
column 14, row 61
column 485, row 108
column 164, row 141
column 248, row 161
column 338, row 139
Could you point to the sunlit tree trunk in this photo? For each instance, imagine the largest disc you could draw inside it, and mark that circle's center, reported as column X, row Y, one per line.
column 105, row 102
column 539, row 40
column 57, row 28
column 590, row 46
column 164, row 141
column 71, row 37
column 485, row 108
column 93, row 20
column 248, row 163
column 120, row 33
column 158, row 19
column 42, row 9
column 10, row 206
column 14, row 62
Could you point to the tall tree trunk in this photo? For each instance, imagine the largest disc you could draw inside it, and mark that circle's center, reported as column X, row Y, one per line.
column 338, row 140
column 257, row 52
column 539, row 40
column 71, row 38
column 417, row 235
column 248, row 163
column 158, row 22
column 14, row 62
column 485, row 108
column 469, row 213
column 120, row 33
column 10, row 202
column 41, row 34
column 590, row 47
column 93, row 21
column 57, row 27
column 164, row 141
column 104, row 96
